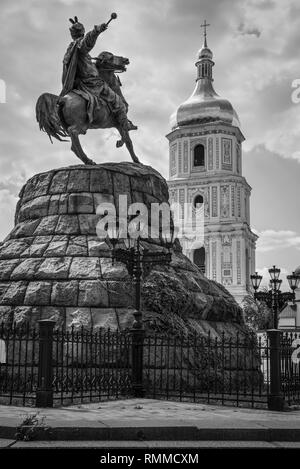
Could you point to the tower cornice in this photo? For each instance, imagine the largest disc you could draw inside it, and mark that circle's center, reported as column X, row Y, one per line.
column 207, row 128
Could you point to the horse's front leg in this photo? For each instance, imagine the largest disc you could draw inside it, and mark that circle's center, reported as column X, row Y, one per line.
column 125, row 138
column 76, row 147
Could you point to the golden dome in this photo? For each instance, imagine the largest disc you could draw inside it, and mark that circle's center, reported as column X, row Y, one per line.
column 205, row 52
column 204, row 105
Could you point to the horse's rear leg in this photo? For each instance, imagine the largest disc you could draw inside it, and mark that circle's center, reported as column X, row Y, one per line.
column 73, row 131
column 125, row 138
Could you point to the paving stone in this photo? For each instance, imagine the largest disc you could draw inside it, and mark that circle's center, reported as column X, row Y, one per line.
column 37, row 186
column 101, row 199
column 6, row 443
column 101, row 181
column 55, row 313
column 88, row 224
column 37, row 248
column 104, row 318
column 25, row 228
column 38, row 293
column 158, row 189
column 14, row 248
column 43, row 239
column 82, row 267
column 64, row 293
column 57, row 247
column 53, row 204
column 59, row 182
column 67, row 224
column 6, row 268
column 63, row 204
column 79, row 181
column 81, row 203
column 77, row 246
column 113, row 270
column 3, row 288
column 14, row 295
column 46, row 226
column 97, row 247
column 77, row 318
column 142, row 184
column 93, row 293
column 34, row 208
column 121, row 187
column 120, row 294
column 26, row 269
column 125, row 317
column 6, row 314
column 54, row 268
column 22, row 314
column 138, row 196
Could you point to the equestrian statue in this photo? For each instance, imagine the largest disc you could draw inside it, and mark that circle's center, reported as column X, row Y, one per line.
column 91, row 96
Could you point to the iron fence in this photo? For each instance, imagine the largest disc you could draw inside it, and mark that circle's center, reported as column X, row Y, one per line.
column 19, row 358
column 207, row 369
column 44, row 366
column 90, row 365
column 290, row 367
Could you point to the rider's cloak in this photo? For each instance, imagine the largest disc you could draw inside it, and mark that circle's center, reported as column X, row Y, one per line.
column 69, row 68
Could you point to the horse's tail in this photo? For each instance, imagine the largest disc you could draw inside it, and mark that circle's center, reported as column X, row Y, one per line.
column 48, row 117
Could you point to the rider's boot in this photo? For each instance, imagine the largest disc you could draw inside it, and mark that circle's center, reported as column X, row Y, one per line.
column 123, row 121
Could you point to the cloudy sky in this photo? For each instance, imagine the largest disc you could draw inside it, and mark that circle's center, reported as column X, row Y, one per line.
column 256, row 50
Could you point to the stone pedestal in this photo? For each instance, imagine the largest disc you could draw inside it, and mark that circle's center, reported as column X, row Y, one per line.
column 53, row 265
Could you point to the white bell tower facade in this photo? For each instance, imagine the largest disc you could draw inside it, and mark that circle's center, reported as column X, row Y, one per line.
column 206, row 171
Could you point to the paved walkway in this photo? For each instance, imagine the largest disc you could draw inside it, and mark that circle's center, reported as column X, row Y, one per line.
column 157, row 420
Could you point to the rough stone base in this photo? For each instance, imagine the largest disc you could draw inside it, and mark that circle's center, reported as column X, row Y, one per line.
column 53, row 265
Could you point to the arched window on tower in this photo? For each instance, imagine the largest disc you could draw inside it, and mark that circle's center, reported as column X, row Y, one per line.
column 198, row 201
column 199, row 156
column 199, row 258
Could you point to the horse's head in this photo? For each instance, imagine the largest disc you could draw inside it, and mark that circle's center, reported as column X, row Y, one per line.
column 109, row 61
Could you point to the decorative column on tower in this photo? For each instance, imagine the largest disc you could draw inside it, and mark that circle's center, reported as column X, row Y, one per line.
column 206, row 171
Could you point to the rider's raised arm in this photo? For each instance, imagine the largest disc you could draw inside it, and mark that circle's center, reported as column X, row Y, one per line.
column 90, row 38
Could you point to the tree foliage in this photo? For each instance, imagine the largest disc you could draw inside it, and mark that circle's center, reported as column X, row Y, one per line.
column 257, row 315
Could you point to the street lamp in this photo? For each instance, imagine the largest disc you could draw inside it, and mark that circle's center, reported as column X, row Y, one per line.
column 275, row 298
column 139, row 261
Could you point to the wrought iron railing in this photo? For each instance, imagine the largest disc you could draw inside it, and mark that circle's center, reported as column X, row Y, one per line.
column 44, row 366
column 19, row 358
column 226, row 369
column 290, row 367
column 90, row 365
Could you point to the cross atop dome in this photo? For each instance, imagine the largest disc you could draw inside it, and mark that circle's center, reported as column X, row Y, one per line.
column 204, row 25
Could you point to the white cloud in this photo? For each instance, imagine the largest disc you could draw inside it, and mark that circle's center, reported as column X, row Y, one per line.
column 7, row 204
column 272, row 240
column 253, row 70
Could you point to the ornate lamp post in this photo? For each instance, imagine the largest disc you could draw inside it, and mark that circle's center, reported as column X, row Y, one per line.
column 139, row 262
column 275, row 298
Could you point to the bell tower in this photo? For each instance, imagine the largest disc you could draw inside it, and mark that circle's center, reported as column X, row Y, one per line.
column 205, row 170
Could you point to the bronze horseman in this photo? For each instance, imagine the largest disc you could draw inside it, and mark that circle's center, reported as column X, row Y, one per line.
column 91, row 96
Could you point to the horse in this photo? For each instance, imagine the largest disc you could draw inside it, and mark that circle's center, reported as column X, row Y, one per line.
column 66, row 116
